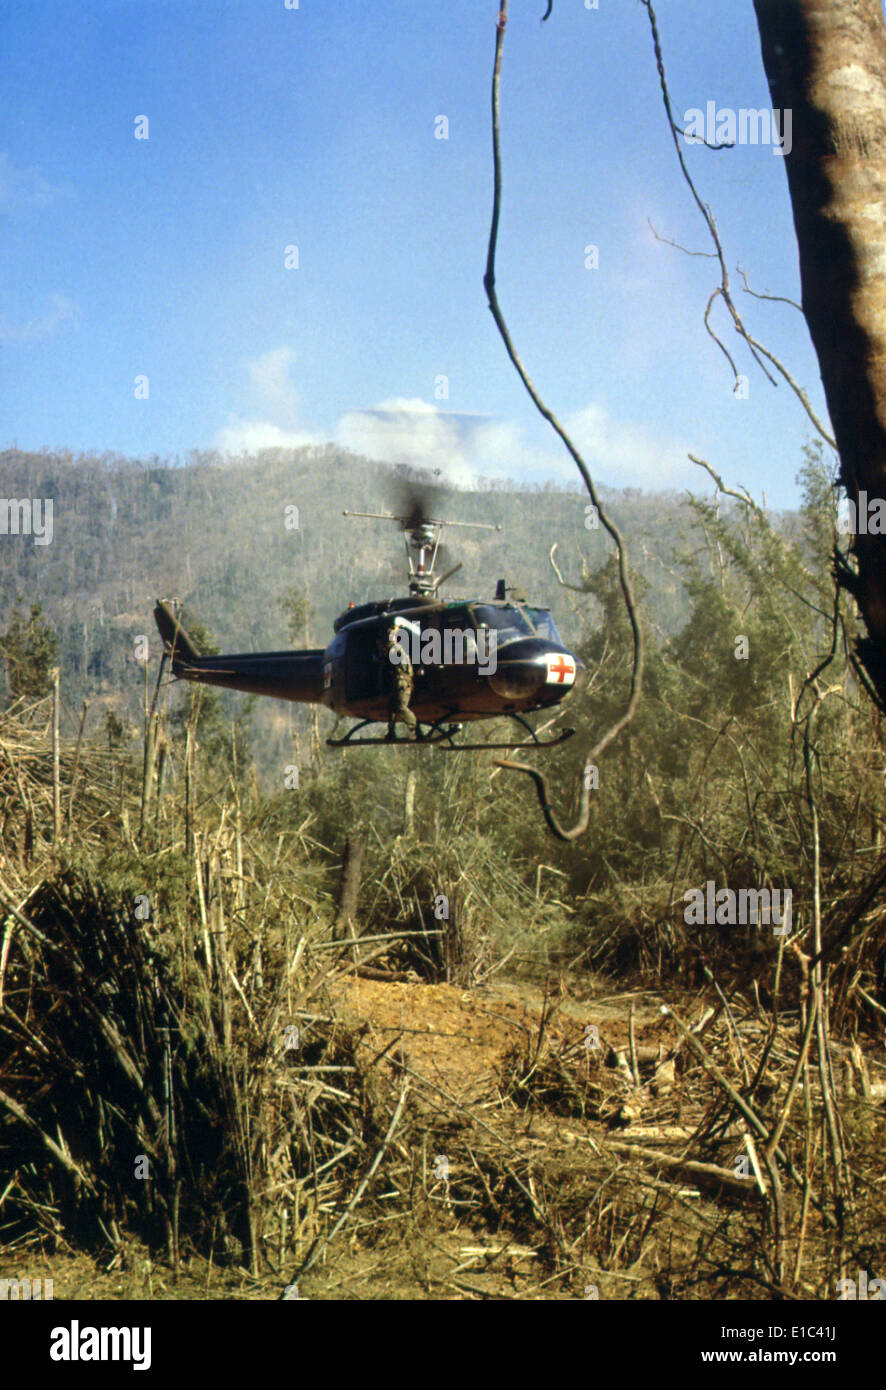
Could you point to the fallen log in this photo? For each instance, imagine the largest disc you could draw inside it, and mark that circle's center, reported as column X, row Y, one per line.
column 709, row 1175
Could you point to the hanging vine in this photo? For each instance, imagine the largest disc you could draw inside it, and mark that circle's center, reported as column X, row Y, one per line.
column 541, row 783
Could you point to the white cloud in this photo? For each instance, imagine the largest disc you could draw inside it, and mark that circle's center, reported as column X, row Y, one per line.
column 624, row 454
column 502, row 450
column 26, row 188
column 458, row 447
column 466, row 447
column 411, row 431
column 61, row 311
column 279, row 426
column 272, row 384
column 240, row 436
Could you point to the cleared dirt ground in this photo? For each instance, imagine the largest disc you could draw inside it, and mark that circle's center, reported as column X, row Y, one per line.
column 530, row 1164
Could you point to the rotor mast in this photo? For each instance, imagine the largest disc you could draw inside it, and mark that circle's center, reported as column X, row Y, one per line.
column 421, row 535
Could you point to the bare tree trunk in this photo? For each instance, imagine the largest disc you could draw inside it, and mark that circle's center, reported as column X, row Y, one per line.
column 315, row 739
column 409, row 805
column 188, row 748
column 76, row 766
column 825, row 62
column 349, row 884
column 56, row 782
column 150, row 755
column 161, row 767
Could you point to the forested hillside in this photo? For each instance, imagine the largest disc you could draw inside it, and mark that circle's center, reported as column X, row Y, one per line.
column 604, row 992
column 232, row 537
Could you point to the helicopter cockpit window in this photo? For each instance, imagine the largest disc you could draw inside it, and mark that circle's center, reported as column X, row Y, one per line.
column 457, row 618
column 507, row 621
column 459, row 635
column 544, row 624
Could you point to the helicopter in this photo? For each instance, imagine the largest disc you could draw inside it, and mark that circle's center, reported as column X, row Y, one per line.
column 458, row 661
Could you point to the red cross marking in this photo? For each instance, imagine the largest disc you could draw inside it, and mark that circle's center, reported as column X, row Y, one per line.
column 561, row 668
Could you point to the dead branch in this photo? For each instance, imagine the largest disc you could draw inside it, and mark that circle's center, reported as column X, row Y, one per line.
column 723, row 291
column 321, row 1243
column 608, row 525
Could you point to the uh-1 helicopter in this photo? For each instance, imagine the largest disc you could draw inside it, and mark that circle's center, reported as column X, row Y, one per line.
column 420, row 660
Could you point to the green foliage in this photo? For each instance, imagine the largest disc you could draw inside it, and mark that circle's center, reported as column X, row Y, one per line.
column 218, row 723
column 213, row 531
column 737, row 607
column 117, row 732
column 298, row 611
column 708, row 782
column 30, row 650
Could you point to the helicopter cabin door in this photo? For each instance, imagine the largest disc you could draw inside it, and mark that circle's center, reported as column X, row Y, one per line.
column 363, row 673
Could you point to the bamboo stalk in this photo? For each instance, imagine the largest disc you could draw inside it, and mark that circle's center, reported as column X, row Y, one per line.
column 76, row 766
column 56, row 781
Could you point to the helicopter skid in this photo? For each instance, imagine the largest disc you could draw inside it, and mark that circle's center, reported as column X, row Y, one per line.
column 442, row 735
column 511, row 747
column 435, row 734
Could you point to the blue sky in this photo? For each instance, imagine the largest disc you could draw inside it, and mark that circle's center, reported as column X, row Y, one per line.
column 315, row 127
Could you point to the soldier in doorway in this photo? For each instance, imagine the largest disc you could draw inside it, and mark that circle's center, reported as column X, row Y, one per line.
column 397, row 677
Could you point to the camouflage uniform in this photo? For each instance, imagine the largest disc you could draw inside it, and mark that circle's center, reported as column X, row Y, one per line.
column 398, row 679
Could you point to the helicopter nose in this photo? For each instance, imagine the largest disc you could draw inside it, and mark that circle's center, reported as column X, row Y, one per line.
column 554, row 673
column 517, row 680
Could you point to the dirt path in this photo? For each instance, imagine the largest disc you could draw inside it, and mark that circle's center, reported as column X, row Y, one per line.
column 461, row 1038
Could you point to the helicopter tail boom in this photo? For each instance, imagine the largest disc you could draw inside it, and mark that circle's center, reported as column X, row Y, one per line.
column 176, row 641
column 294, row 676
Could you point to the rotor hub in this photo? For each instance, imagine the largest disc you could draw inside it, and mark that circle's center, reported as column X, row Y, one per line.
column 421, row 550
